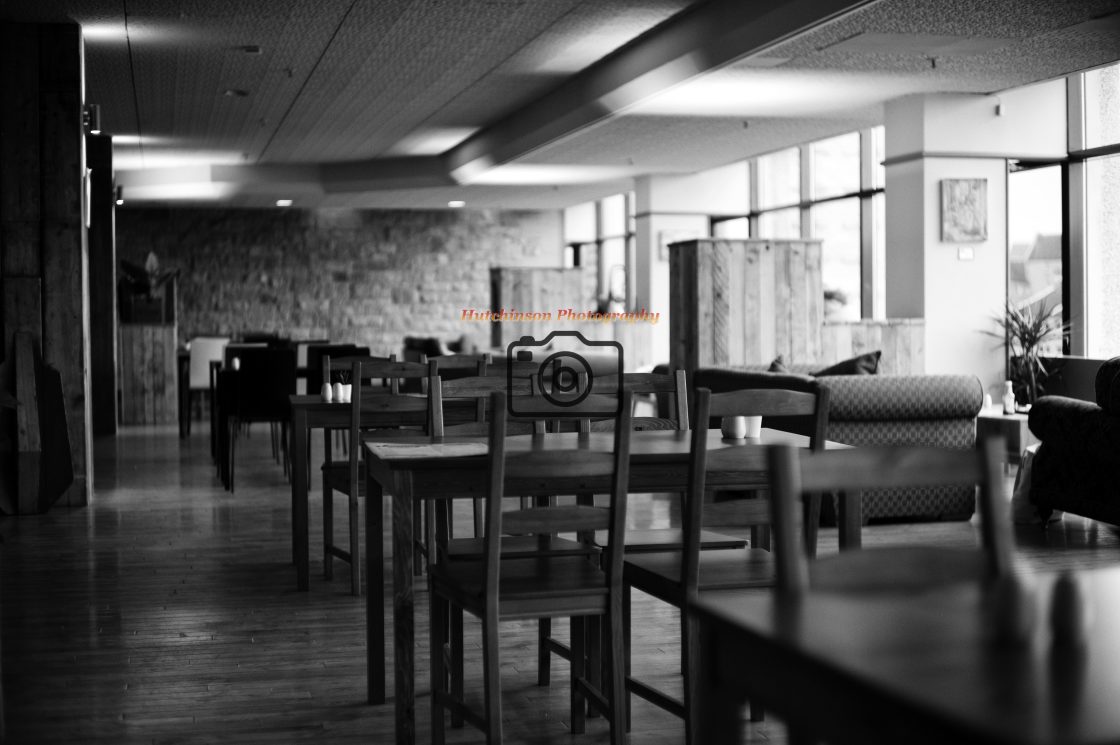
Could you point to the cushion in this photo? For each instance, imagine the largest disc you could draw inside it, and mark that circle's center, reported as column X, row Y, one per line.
column 864, row 364
column 1107, row 386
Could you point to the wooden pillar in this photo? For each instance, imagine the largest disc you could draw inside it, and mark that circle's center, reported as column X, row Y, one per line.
column 102, row 285
column 42, row 226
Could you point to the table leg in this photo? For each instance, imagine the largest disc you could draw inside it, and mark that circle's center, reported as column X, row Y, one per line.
column 850, row 519
column 300, row 548
column 375, row 591
column 403, row 611
column 719, row 706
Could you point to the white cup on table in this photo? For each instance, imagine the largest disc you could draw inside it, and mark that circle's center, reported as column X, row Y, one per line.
column 733, row 427
column 754, row 426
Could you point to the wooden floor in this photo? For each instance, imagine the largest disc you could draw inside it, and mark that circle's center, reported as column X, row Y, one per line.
column 165, row 612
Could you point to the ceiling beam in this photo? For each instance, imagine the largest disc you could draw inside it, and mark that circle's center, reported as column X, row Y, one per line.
column 696, row 41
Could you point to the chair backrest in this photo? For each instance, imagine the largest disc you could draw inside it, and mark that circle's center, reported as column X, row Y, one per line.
column 451, row 366
column 795, row 473
column 315, row 355
column 478, row 388
column 672, row 386
column 809, row 399
column 204, row 350
column 301, row 349
column 544, row 471
column 364, row 397
column 265, row 380
column 813, row 401
column 236, row 349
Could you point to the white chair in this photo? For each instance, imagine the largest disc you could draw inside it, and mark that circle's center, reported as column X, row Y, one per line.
column 203, row 351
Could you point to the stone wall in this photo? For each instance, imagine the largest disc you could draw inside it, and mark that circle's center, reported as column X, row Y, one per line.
column 371, row 276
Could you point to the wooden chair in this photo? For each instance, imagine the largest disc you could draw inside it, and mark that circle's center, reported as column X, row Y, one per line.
column 203, row 351
column 348, row 476
column 674, row 386
column 543, row 586
column 889, row 568
column 906, row 569
column 261, row 385
column 674, row 577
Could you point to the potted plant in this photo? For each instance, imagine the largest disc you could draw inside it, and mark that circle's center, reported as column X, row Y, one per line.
column 1026, row 331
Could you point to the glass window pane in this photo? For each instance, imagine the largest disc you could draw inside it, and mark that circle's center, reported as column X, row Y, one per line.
column 612, row 279
column 579, row 223
column 738, row 227
column 1102, row 106
column 780, row 223
column 1034, row 232
column 613, row 213
column 878, row 154
column 779, row 179
column 834, row 166
column 1102, row 244
column 837, row 225
column 879, row 256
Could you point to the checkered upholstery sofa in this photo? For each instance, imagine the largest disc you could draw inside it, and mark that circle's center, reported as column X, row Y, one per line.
column 930, row 410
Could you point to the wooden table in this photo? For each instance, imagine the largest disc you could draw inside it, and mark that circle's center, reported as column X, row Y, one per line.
column 658, row 463
column 907, row 668
column 310, row 412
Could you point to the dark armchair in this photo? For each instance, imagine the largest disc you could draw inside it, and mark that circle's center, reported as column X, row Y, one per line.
column 1077, row 467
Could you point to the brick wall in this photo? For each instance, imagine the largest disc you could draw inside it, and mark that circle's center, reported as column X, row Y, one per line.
column 371, row 276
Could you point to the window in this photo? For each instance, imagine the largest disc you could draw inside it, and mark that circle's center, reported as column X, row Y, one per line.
column 779, row 179
column 838, row 223
column 780, row 223
column 1034, row 233
column 600, row 236
column 835, row 166
column 840, row 202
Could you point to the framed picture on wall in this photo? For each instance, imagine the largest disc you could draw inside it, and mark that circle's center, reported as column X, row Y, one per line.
column 964, row 210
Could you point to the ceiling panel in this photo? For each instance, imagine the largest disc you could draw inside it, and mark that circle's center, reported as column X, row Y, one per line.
column 345, row 81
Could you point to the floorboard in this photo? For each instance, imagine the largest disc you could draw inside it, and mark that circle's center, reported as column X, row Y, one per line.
column 166, row 613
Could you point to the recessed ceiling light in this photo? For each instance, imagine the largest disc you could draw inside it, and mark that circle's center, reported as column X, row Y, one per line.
column 235, row 93
column 283, row 203
column 456, row 204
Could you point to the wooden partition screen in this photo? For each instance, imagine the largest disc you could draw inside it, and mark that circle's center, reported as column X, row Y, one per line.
column 741, row 303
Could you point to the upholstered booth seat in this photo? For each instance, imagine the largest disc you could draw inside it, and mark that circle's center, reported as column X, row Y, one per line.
column 1077, row 467
column 880, row 410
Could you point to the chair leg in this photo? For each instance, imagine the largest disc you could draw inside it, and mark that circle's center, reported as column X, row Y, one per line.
column 355, row 547
column 593, row 644
column 544, row 655
column 232, row 451
column 690, row 655
column 328, row 529
column 626, row 642
column 612, row 640
column 491, row 673
column 457, row 662
column 437, row 615
column 417, row 530
column 579, row 674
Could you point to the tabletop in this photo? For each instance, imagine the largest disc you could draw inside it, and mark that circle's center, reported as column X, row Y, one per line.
column 919, row 668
